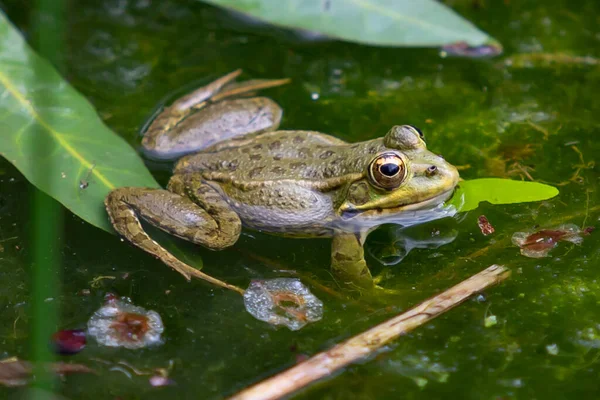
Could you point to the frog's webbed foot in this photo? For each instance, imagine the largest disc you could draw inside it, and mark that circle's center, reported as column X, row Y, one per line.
column 180, row 129
column 348, row 260
column 215, row 228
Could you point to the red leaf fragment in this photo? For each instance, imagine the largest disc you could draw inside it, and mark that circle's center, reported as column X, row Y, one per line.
column 69, row 341
column 484, row 225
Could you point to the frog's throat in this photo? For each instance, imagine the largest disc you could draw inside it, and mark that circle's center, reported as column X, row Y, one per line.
column 423, row 204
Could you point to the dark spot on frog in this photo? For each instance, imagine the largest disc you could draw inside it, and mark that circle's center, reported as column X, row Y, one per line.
column 296, row 165
column 342, row 257
column 255, row 171
column 355, row 146
column 372, row 149
column 275, row 145
column 310, row 173
column 257, row 146
column 337, row 161
column 298, row 139
column 255, row 156
column 277, row 157
column 329, row 172
column 233, row 165
column 326, row 154
column 277, row 170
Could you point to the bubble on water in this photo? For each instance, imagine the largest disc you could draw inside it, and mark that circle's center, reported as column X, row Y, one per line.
column 121, row 324
column 283, row 301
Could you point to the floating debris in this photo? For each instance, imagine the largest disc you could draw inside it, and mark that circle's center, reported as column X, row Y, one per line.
column 552, row 349
column 15, row 372
column 538, row 244
column 484, row 225
column 121, row 324
column 541, row 60
column 283, row 301
column 160, row 380
column 70, row 341
column 462, row 49
column 490, row 321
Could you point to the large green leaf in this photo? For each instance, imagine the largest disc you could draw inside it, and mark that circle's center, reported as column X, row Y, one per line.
column 47, row 126
column 499, row 191
column 422, row 23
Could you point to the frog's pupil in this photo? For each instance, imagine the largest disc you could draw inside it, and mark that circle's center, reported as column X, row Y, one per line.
column 389, row 169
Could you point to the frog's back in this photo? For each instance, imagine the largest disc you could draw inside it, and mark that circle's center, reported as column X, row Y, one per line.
column 279, row 155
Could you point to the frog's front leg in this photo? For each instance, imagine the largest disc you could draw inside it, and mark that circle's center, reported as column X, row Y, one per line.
column 348, row 259
column 212, row 224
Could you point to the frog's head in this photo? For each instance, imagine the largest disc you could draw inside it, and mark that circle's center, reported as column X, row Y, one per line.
column 403, row 176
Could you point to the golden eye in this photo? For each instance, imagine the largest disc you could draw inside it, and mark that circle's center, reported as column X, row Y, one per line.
column 387, row 171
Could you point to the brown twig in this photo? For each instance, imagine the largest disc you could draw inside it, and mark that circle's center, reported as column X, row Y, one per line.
column 366, row 343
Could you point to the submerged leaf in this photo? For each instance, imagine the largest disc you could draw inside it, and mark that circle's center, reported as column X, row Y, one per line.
column 537, row 244
column 409, row 23
column 469, row 194
column 283, row 301
column 48, row 126
column 118, row 323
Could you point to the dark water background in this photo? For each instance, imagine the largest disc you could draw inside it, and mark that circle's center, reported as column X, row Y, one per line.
column 533, row 117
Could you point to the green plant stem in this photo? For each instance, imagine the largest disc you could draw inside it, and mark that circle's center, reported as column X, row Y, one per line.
column 47, row 24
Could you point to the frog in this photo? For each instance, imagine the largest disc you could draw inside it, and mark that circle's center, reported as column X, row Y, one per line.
column 234, row 168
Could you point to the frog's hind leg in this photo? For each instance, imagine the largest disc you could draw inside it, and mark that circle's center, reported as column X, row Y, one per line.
column 216, row 228
column 180, row 129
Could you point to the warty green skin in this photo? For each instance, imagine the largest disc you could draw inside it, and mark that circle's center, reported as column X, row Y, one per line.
column 307, row 184
column 293, row 183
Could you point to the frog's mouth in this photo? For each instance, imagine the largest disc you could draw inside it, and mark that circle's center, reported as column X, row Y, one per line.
column 429, row 203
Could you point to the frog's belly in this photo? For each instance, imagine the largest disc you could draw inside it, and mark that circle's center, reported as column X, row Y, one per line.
column 290, row 211
column 309, row 223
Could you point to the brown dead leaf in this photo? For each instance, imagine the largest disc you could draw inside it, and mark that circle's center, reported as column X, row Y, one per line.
column 15, row 372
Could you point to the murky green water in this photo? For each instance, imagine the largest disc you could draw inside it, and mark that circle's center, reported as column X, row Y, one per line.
column 539, row 121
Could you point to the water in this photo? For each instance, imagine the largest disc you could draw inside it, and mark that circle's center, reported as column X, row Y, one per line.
column 505, row 117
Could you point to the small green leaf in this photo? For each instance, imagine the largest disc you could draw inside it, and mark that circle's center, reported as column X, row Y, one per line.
column 414, row 23
column 499, row 191
column 48, row 126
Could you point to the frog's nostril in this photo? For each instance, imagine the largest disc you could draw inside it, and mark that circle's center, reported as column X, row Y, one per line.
column 431, row 170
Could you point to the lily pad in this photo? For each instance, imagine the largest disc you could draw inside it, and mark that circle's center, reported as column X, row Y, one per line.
column 469, row 194
column 47, row 126
column 402, row 23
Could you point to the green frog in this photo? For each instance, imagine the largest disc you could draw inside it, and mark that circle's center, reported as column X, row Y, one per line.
column 236, row 169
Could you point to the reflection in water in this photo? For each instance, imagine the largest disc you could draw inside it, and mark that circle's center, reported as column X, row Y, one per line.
column 401, row 240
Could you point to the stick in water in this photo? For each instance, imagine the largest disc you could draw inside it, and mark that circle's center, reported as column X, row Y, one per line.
column 366, row 343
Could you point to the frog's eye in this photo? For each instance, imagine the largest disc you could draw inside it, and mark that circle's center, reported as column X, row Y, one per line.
column 387, row 171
